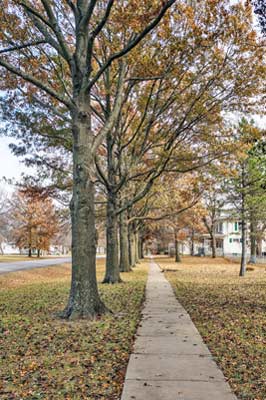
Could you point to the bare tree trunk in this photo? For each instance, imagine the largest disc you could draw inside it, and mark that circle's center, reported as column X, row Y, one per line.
column 84, row 300
column 213, row 245
column 244, row 249
column 253, row 243
column 38, row 253
column 136, row 234
column 132, row 247
column 259, row 247
column 142, row 248
column 124, row 245
column 243, row 265
column 192, row 252
column 177, row 254
column 112, row 274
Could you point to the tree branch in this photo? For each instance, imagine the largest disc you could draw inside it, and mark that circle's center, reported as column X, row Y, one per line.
column 102, row 23
column 132, row 43
column 22, row 46
column 29, row 78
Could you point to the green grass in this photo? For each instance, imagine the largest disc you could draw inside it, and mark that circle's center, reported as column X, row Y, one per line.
column 230, row 313
column 43, row 357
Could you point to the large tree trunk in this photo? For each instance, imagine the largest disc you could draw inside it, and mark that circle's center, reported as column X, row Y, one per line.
column 243, row 265
column 84, row 300
column 132, row 247
column 124, row 245
column 259, row 247
column 136, row 234
column 253, row 244
column 192, row 252
column 213, row 245
column 177, row 254
column 112, row 274
column 244, row 249
column 142, row 248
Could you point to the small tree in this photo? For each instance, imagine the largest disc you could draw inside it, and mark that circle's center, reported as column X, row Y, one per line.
column 34, row 221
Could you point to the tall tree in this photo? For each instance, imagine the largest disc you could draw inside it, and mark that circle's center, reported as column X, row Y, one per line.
column 245, row 180
column 51, row 49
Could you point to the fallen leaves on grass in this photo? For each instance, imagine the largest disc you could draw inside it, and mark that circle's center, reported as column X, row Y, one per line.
column 230, row 313
column 45, row 358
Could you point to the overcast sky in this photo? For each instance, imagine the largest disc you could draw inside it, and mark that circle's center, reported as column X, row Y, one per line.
column 10, row 166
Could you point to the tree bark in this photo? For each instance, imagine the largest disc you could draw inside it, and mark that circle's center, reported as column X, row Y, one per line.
column 136, row 234
column 253, row 242
column 142, row 248
column 177, row 254
column 244, row 249
column 124, row 265
column 259, row 247
column 192, row 242
column 112, row 274
column 243, row 265
column 84, row 300
column 38, row 253
column 132, row 247
column 213, row 245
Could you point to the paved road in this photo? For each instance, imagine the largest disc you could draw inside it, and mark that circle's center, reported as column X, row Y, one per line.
column 22, row 265
column 170, row 360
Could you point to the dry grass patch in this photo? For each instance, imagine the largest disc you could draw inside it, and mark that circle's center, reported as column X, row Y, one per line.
column 230, row 313
column 45, row 358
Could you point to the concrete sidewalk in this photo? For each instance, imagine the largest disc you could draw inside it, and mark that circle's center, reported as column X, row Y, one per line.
column 170, row 360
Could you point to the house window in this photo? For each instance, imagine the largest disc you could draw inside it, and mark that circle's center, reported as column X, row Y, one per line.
column 230, row 240
column 236, row 227
column 219, row 228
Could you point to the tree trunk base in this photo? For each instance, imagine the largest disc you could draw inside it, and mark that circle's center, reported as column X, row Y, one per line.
column 127, row 270
column 111, row 281
column 74, row 313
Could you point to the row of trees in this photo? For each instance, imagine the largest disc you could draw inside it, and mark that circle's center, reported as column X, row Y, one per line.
column 113, row 100
column 231, row 188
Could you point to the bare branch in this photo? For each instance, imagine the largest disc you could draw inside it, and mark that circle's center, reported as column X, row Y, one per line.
column 22, row 46
column 102, row 23
column 117, row 107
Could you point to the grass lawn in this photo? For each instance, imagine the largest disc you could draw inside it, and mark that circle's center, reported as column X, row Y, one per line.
column 43, row 357
column 230, row 313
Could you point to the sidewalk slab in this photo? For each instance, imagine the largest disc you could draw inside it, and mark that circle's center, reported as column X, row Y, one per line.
column 179, row 390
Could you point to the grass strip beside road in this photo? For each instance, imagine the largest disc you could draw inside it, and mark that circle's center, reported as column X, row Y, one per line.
column 230, row 313
column 43, row 357
column 15, row 258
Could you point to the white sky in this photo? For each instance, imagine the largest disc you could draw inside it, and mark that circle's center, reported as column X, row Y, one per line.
column 10, row 166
